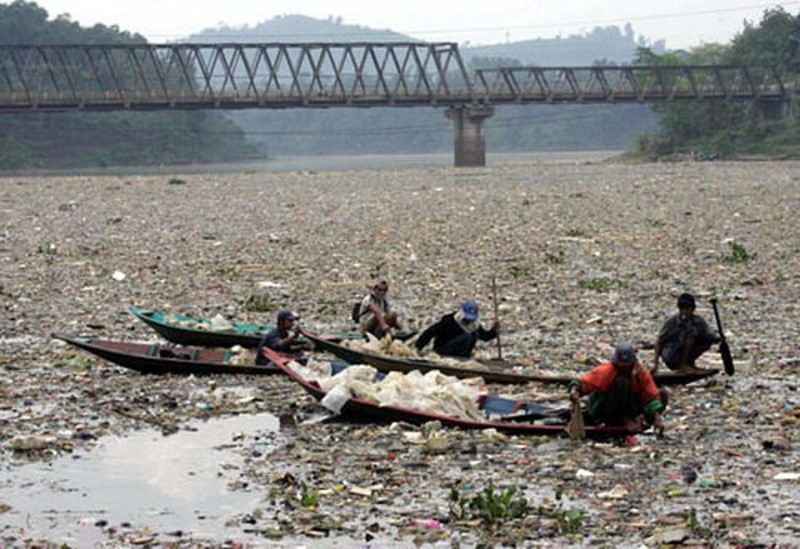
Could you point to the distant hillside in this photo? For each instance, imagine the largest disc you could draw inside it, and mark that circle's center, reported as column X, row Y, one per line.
column 607, row 44
column 425, row 129
column 299, row 28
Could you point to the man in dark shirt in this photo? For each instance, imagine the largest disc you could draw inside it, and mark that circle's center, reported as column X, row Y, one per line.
column 282, row 338
column 683, row 337
column 455, row 334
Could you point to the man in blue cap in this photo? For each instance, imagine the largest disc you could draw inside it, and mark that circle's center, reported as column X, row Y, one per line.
column 282, row 338
column 455, row 334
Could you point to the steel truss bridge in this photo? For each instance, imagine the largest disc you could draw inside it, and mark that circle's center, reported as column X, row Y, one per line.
column 104, row 77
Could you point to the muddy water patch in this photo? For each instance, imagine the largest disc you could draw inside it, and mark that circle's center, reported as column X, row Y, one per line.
column 173, row 486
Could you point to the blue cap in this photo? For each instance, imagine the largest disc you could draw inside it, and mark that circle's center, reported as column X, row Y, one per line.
column 470, row 310
column 287, row 315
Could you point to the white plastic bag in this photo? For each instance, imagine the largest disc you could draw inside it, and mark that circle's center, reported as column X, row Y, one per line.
column 336, row 398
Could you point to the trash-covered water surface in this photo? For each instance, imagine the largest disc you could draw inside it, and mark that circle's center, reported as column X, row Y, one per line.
column 583, row 254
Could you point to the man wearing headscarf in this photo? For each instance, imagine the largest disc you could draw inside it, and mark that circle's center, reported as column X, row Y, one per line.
column 621, row 392
column 683, row 337
column 456, row 333
column 374, row 314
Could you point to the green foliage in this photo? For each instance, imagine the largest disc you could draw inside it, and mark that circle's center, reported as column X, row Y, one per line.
column 576, row 233
column 329, row 306
column 71, row 140
column 554, row 258
column 377, row 271
column 228, row 271
column 48, row 249
column 569, row 520
column 515, row 271
column 76, row 363
column 600, row 284
column 176, row 181
column 654, row 146
column 258, row 303
column 737, row 253
column 489, row 506
column 729, row 129
column 309, row 498
column 690, row 517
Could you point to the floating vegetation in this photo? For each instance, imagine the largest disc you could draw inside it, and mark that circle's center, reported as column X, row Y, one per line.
column 601, row 284
column 576, row 233
column 258, row 303
column 737, row 253
column 489, row 505
column 569, row 520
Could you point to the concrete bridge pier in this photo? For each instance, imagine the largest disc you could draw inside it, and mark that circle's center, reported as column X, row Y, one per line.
column 470, row 147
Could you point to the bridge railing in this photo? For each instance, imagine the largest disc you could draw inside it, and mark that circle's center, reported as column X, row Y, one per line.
column 231, row 75
column 361, row 74
column 626, row 83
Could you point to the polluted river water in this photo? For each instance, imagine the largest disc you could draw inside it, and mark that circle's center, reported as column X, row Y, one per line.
column 585, row 253
column 177, row 485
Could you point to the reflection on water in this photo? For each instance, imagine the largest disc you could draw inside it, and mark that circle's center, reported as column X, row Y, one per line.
column 173, row 483
column 339, row 162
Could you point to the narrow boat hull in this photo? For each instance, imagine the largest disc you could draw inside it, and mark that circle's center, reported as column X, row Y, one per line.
column 243, row 334
column 164, row 359
column 364, row 410
column 493, row 371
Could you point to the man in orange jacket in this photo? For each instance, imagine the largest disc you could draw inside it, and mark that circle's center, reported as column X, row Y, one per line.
column 622, row 392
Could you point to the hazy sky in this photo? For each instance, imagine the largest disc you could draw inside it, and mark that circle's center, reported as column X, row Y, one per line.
column 683, row 23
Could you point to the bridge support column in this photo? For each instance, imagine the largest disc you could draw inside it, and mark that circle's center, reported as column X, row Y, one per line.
column 470, row 147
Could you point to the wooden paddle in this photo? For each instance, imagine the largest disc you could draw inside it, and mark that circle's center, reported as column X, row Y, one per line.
column 497, row 318
column 575, row 428
column 724, row 350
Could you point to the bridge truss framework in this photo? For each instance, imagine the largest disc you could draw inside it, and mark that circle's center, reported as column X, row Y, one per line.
column 104, row 77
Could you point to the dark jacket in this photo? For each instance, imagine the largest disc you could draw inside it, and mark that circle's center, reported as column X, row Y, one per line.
column 273, row 339
column 450, row 339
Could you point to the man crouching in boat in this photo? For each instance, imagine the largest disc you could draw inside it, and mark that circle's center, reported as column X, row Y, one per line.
column 455, row 334
column 683, row 337
column 622, row 392
column 282, row 338
column 374, row 315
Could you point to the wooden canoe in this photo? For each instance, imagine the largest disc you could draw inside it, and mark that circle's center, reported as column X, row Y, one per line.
column 189, row 330
column 493, row 371
column 167, row 359
column 505, row 415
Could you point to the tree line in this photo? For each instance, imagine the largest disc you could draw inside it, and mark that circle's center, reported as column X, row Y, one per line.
column 731, row 129
column 47, row 140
